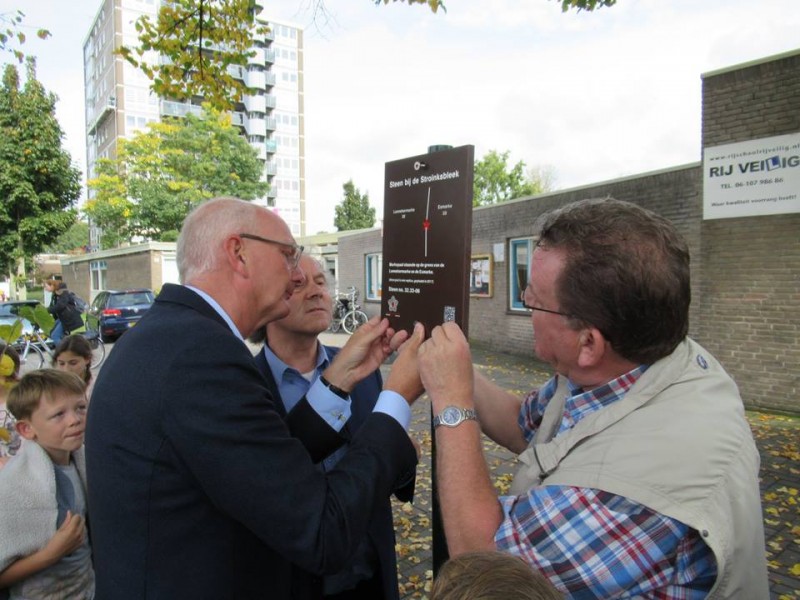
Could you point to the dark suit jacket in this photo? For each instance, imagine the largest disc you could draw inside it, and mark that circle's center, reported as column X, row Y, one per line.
column 197, row 489
column 381, row 526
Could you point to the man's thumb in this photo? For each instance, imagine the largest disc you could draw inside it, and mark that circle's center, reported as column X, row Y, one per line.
column 417, row 336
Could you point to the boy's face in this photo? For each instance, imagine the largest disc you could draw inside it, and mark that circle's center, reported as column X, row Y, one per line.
column 57, row 425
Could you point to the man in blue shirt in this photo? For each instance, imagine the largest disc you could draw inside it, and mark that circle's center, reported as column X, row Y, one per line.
column 291, row 360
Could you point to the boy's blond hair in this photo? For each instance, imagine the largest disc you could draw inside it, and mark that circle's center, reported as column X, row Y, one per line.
column 491, row 575
column 26, row 397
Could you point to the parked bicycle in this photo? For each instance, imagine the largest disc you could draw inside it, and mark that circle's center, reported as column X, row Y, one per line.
column 36, row 350
column 347, row 313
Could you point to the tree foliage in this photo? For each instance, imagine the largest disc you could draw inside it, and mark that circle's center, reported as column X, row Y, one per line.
column 495, row 181
column 161, row 174
column 354, row 211
column 434, row 5
column 11, row 33
column 590, row 5
column 200, row 39
column 585, row 4
column 38, row 183
column 75, row 238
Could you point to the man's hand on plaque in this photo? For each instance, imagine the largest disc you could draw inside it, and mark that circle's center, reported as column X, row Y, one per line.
column 404, row 376
column 445, row 367
column 364, row 352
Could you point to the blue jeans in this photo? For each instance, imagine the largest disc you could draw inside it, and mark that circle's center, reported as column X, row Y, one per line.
column 58, row 332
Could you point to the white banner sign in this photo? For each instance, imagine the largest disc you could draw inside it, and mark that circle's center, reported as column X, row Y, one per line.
column 753, row 178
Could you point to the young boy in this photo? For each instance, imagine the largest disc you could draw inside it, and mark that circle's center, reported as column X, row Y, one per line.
column 45, row 550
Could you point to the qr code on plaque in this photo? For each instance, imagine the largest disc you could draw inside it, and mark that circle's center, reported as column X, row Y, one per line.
column 449, row 314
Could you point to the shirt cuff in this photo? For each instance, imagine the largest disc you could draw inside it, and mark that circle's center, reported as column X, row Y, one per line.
column 393, row 404
column 332, row 409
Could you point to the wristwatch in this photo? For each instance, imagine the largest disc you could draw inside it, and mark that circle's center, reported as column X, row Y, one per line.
column 452, row 416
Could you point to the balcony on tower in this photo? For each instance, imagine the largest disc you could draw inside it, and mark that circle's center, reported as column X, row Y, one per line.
column 257, row 103
column 256, row 124
column 256, row 78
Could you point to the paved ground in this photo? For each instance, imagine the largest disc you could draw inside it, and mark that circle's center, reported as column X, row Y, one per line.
column 778, row 439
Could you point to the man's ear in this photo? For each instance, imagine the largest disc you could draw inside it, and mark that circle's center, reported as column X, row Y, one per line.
column 25, row 429
column 592, row 347
column 234, row 252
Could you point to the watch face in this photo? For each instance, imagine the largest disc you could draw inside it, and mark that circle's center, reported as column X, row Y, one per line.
column 451, row 415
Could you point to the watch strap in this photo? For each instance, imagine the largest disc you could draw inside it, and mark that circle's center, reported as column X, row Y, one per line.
column 335, row 389
column 467, row 414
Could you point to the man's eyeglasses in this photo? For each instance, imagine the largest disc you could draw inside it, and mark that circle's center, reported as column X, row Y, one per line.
column 292, row 259
column 547, row 310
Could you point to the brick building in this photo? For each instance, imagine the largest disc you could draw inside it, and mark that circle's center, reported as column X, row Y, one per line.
column 745, row 270
column 149, row 265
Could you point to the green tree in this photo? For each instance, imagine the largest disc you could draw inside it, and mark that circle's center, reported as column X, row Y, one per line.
column 435, row 5
column 585, row 4
column 74, row 238
column 38, row 183
column 110, row 209
column 495, row 181
column 11, row 33
column 161, row 174
column 542, row 178
column 354, row 211
column 200, row 39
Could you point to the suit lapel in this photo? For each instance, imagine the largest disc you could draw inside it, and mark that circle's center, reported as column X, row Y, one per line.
column 272, row 386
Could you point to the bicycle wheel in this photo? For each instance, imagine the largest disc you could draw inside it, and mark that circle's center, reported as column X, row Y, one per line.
column 98, row 352
column 353, row 320
column 30, row 358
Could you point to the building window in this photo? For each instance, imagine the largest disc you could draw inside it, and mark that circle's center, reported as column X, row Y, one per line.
column 520, row 251
column 374, row 271
column 98, row 269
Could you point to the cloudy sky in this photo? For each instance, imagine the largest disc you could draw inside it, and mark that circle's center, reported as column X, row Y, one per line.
column 593, row 96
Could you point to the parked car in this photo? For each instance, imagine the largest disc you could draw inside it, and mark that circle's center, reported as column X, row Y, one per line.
column 9, row 313
column 113, row 312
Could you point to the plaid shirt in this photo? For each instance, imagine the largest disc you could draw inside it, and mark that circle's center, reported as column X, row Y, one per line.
column 593, row 544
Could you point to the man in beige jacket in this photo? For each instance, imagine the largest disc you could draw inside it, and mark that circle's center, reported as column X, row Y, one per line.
column 639, row 473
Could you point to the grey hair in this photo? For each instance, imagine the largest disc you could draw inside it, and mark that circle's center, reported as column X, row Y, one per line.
column 205, row 229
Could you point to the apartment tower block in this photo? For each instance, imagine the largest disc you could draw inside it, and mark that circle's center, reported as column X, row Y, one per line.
column 119, row 101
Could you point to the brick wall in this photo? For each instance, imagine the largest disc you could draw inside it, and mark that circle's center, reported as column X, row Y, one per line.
column 353, row 250
column 77, row 277
column 140, row 268
column 130, row 271
column 674, row 193
column 750, row 295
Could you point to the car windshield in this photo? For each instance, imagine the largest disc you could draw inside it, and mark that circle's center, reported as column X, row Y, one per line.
column 130, row 299
column 15, row 307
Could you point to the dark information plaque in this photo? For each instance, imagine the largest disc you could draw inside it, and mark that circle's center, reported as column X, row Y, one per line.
column 427, row 235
